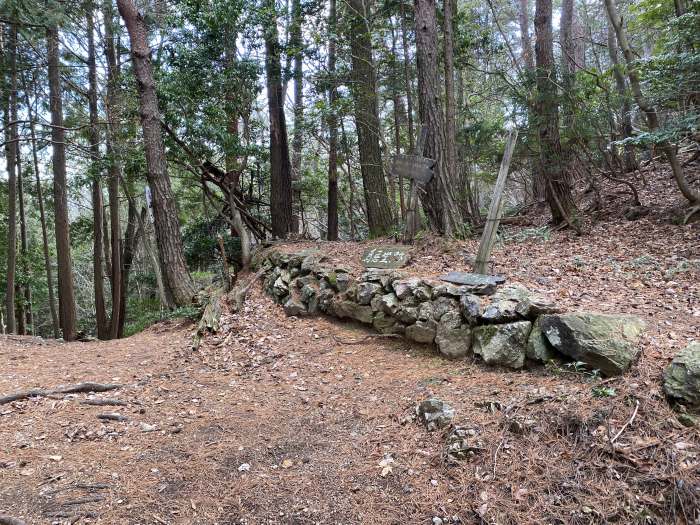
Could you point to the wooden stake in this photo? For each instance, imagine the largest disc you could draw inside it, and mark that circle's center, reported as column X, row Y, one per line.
column 496, row 209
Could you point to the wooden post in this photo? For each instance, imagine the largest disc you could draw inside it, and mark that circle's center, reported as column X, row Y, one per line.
column 496, row 209
column 412, row 218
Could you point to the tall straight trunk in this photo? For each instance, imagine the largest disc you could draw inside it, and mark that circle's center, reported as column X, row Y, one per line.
column 130, row 241
column 97, row 204
column 116, row 270
column 648, row 109
column 558, row 190
column 296, row 43
column 566, row 38
column 42, row 216
column 364, row 92
column 407, row 79
column 351, row 183
column 11, row 146
column 525, row 39
column 280, row 167
column 24, row 247
column 630, row 160
column 450, row 112
column 399, row 116
column 178, row 283
column 438, row 202
column 66, row 293
column 332, row 126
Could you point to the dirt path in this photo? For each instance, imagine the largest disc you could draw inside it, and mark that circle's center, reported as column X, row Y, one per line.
column 278, row 422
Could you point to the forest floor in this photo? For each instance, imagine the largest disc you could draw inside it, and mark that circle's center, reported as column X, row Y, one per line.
column 295, row 421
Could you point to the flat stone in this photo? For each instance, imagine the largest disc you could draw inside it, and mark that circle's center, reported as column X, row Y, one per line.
column 386, row 257
column 534, row 305
column 608, row 343
column 481, row 284
column 453, row 290
column 502, row 344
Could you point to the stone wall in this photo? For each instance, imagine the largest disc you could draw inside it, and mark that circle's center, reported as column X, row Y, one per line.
column 505, row 324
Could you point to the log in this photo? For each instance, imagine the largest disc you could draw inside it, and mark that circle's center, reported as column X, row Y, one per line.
column 68, row 389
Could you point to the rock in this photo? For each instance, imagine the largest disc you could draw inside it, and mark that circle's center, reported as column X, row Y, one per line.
column 608, row 343
column 342, row 281
column 407, row 314
column 502, row 344
column 422, row 331
column 343, row 309
column 444, row 304
column 382, row 276
column 422, row 293
column 367, row 290
column 503, row 307
column 538, row 347
column 461, row 444
column 426, row 312
column 453, row 338
column 480, row 284
column 325, row 299
column 470, row 306
column 294, row 304
column 280, row 288
column 403, row 288
column 682, row 376
column 312, row 262
column 145, row 427
column 389, row 304
column 385, row 324
column 636, row 212
column 535, row 305
column 435, row 413
column 440, row 289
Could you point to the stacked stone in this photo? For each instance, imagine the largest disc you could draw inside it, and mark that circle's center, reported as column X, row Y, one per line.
column 506, row 325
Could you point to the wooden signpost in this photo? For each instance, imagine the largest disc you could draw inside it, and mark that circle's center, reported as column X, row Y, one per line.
column 419, row 170
column 496, row 209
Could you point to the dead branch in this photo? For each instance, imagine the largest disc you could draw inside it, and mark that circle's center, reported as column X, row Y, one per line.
column 69, row 389
column 103, row 402
column 629, row 421
column 112, row 417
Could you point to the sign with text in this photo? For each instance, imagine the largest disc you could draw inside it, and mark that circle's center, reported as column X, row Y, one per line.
column 415, row 167
column 386, row 257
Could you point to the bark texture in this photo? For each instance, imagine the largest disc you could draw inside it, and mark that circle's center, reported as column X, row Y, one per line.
column 332, row 127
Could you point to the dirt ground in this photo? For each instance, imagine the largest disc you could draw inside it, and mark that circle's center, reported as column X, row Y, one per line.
column 299, row 421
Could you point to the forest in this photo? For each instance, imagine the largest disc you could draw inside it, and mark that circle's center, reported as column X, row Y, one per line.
column 350, row 261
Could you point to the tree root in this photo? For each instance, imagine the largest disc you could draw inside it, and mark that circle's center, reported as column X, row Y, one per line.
column 69, row 389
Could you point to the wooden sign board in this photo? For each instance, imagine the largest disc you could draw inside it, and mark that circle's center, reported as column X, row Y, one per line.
column 415, row 167
column 386, row 257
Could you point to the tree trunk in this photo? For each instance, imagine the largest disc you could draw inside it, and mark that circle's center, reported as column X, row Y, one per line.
column 26, row 287
column 42, row 216
column 407, row 79
column 11, row 138
column 116, row 271
column 280, row 167
column 66, row 293
column 525, row 39
column 630, row 160
column 438, row 202
column 364, row 91
column 131, row 238
column 296, row 43
column 649, row 111
column 178, row 283
column 332, row 234
column 450, row 112
column 558, row 189
column 97, row 204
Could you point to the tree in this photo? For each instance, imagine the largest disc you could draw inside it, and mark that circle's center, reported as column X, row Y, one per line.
column 332, row 225
column 178, row 283
column 364, row 92
column 66, row 291
column 296, row 43
column 647, row 108
column 438, row 203
column 280, row 167
column 558, row 190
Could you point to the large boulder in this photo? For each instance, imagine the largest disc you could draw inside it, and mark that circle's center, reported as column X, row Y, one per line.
column 453, row 338
column 423, row 331
column 502, row 344
column 682, row 376
column 608, row 343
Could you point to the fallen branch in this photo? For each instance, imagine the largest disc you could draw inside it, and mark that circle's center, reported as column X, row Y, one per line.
column 69, row 389
column 365, row 338
column 112, row 417
column 103, row 402
column 9, row 520
column 629, row 422
column 239, row 292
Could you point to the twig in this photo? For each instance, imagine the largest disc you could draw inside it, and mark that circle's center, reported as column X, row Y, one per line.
column 70, row 389
column 112, row 417
column 629, row 421
column 365, row 338
column 495, row 459
column 103, row 402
